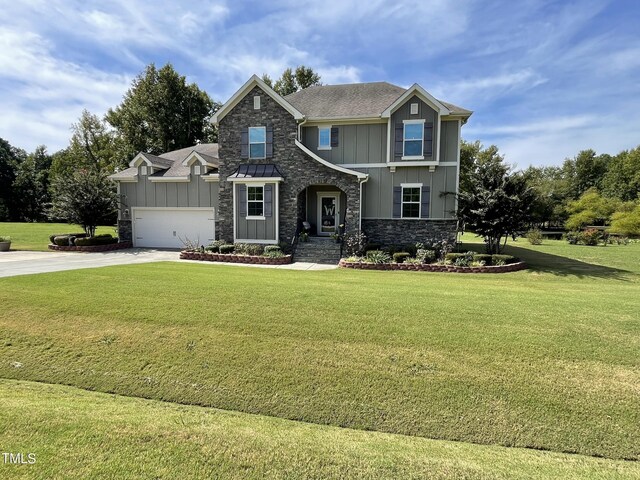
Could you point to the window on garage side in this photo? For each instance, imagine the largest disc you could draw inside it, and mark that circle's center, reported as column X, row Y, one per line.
column 255, row 201
column 411, row 201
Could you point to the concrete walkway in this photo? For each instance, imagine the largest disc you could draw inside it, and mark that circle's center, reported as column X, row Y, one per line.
column 20, row 262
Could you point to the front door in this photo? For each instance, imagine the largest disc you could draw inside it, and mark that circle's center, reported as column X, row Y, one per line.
column 328, row 209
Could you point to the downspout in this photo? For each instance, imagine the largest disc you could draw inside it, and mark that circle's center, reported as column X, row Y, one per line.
column 300, row 129
column 364, row 180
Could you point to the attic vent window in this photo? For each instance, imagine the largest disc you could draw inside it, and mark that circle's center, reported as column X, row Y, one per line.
column 414, row 109
column 196, row 170
column 256, row 102
column 143, row 170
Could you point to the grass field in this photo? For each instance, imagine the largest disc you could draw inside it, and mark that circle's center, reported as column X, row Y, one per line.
column 35, row 236
column 77, row 434
column 547, row 358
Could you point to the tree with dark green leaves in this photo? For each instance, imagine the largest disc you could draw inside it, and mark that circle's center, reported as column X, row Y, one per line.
column 31, row 186
column 10, row 159
column 162, row 112
column 87, row 198
column 496, row 202
column 622, row 179
column 292, row 81
column 551, row 188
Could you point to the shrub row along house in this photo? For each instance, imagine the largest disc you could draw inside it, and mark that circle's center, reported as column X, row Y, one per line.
column 370, row 156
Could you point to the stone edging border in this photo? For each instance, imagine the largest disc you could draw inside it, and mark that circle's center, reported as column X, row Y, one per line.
column 511, row 267
column 92, row 248
column 233, row 258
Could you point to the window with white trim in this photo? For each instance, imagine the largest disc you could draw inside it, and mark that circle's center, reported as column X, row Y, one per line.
column 411, row 201
column 255, row 201
column 413, row 138
column 196, row 169
column 324, row 138
column 143, row 170
column 257, row 142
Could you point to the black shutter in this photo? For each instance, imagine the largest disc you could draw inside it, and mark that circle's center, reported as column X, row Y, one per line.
column 244, row 143
column 428, row 139
column 398, row 147
column 334, row 136
column 425, row 200
column 242, row 200
column 269, row 145
column 397, row 202
column 268, row 200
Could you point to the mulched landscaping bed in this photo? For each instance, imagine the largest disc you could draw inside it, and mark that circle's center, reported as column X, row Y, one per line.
column 427, row 267
column 92, row 248
column 233, row 258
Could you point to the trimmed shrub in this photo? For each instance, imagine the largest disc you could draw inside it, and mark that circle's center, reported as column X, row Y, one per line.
column 400, row 257
column 212, row 248
column 425, row 256
column 227, row 248
column 534, row 236
column 464, row 259
column 76, row 235
column 105, row 239
column 378, row 256
column 502, row 259
column 274, row 253
column 272, row 248
column 5, row 238
column 591, row 237
column 413, row 261
column 248, row 249
column 286, row 248
column 61, row 240
column 482, row 257
column 452, row 257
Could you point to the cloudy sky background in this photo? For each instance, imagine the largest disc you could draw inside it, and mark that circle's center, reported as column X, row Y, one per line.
column 545, row 78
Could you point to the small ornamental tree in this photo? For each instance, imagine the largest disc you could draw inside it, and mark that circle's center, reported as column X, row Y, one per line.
column 496, row 203
column 86, row 197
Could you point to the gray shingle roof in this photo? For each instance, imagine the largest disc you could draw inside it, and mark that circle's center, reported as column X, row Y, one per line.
column 352, row 100
column 171, row 162
column 346, row 101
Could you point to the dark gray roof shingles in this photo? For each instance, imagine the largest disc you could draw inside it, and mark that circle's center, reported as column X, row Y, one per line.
column 353, row 100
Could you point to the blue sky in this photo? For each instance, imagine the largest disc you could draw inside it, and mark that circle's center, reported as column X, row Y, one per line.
column 545, row 78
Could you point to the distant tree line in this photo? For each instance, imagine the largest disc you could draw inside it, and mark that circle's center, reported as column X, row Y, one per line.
column 589, row 189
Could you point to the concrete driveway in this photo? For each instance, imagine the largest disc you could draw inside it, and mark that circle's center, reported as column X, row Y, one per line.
column 19, row 262
column 24, row 263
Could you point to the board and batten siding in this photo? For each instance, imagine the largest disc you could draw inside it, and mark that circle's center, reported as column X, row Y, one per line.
column 378, row 190
column 425, row 112
column 363, row 143
column 144, row 193
column 254, row 229
column 449, row 141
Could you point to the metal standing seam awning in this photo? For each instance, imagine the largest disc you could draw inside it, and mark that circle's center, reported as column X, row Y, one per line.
column 266, row 171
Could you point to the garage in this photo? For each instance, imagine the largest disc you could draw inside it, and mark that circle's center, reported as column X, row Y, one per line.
column 169, row 227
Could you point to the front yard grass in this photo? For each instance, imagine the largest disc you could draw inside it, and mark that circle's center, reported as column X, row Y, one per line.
column 77, row 434
column 35, row 236
column 546, row 359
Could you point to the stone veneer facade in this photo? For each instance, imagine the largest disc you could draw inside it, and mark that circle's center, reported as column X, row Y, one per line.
column 297, row 168
column 398, row 231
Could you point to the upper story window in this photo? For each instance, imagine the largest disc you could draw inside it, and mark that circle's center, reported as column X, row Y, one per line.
column 324, row 138
column 257, row 142
column 255, row 201
column 413, row 138
column 411, row 201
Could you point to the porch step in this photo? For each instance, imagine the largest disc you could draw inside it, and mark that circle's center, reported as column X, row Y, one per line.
column 318, row 250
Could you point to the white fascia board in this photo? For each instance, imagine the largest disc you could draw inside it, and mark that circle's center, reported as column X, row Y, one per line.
column 186, row 179
column 187, row 162
column 421, row 93
column 239, row 95
column 138, row 159
column 321, row 121
column 213, row 177
column 329, row 164
column 133, row 179
column 256, row 180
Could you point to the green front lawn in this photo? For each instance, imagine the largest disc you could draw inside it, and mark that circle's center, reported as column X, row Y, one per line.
column 35, row 236
column 77, row 434
column 547, row 358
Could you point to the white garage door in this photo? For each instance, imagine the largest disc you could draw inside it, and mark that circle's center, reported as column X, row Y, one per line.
column 167, row 228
